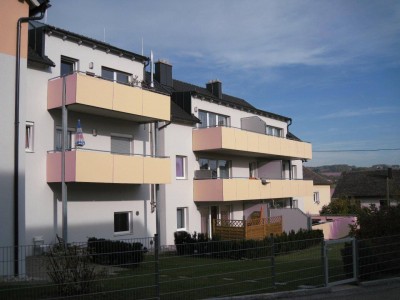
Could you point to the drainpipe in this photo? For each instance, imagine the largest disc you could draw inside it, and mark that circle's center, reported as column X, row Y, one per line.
column 16, row 135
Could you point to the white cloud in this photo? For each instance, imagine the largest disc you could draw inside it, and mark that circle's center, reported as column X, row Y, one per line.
column 348, row 113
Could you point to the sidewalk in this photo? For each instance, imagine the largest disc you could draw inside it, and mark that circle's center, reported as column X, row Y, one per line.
column 370, row 290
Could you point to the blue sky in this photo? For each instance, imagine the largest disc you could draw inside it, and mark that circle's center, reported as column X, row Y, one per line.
column 332, row 66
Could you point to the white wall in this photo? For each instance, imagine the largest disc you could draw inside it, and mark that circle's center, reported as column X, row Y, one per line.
column 91, row 207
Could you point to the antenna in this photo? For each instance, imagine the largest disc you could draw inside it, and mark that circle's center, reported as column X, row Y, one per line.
column 151, row 69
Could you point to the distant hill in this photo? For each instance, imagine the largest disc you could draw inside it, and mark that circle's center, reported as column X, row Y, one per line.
column 333, row 172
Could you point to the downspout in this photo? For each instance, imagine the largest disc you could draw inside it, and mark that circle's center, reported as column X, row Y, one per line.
column 16, row 137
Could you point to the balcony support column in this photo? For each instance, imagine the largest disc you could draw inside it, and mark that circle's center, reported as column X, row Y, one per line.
column 64, row 143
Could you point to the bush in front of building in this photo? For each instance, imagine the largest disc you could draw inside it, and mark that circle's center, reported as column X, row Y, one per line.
column 117, row 253
column 70, row 268
column 200, row 245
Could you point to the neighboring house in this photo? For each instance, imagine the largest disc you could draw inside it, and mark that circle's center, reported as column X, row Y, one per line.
column 321, row 192
column 193, row 154
column 370, row 187
column 231, row 159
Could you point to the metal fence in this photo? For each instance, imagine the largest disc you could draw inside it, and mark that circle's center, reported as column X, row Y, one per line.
column 140, row 269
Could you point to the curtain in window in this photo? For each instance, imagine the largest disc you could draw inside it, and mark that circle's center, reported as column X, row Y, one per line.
column 180, row 167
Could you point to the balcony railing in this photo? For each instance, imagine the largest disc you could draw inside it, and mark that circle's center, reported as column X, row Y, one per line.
column 237, row 189
column 91, row 94
column 229, row 140
column 105, row 167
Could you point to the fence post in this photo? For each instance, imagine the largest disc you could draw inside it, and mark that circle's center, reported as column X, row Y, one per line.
column 273, row 260
column 324, row 259
column 356, row 261
column 156, row 265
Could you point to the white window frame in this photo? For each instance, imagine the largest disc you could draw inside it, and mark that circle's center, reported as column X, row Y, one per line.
column 184, row 166
column 70, row 134
column 29, row 136
column 217, row 119
column 73, row 61
column 130, row 223
column 274, row 131
column 316, row 198
column 184, row 211
column 115, row 75
column 294, row 171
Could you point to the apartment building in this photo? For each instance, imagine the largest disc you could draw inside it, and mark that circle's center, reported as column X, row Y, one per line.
column 230, row 158
column 103, row 147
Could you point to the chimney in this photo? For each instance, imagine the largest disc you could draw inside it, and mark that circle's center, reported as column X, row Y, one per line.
column 215, row 88
column 163, row 73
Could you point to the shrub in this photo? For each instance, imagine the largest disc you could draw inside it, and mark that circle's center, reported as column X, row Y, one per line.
column 123, row 254
column 70, row 268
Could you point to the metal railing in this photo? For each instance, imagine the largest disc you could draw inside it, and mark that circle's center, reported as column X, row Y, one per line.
column 100, row 269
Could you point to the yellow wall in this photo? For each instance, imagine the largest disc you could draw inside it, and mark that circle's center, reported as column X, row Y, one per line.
column 10, row 12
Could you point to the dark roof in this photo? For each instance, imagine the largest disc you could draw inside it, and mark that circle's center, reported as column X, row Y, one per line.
column 179, row 115
column 317, row 179
column 33, row 56
column 181, row 86
column 84, row 40
column 366, row 184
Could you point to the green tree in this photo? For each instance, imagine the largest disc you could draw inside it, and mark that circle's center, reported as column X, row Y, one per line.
column 341, row 206
column 372, row 222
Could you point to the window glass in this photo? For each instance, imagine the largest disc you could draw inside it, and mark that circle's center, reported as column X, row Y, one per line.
column 180, row 167
column 181, row 218
column 203, row 119
column 223, row 166
column 107, row 74
column 122, row 77
column 68, row 65
column 212, row 120
column 203, row 164
column 29, row 137
column 209, row 119
column 58, row 139
column 122, row 222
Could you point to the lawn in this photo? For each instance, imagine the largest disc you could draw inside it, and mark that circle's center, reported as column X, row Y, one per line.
column 191, row 277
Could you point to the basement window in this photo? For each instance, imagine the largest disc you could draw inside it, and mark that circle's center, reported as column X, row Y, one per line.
column 123, row 222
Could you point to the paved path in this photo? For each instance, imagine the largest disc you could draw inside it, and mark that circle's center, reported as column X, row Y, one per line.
column 387, row 289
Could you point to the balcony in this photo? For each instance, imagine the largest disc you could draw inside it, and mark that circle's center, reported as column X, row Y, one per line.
column 238, row 189
column 94, row 95
column 235, row 141
column 105, row 167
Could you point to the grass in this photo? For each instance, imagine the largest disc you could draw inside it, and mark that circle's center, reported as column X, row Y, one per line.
column 191, row 277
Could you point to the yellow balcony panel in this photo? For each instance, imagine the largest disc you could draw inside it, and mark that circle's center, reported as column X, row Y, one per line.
column 98, row 96
column 156, row 105
column 94, row 167
column 128, row 169
column 105, row 167
column 128, row 99
column 242, row 189
column 157, row 170
column 245, row 143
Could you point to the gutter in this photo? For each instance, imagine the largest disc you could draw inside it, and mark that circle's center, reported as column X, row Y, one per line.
column 42, row 8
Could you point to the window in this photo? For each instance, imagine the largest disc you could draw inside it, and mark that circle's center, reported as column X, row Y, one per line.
column 115, row 75
column 295, row 203
column 316, row 197
column 58, row 138
column 181, row 218
column 219, row 168
column 181, row 162
column 123, row 222
column 121, row 144
column 29, row 126
column 294, row 172
column 274, row 131
column 209, row 119
column 253, row 169
column 68, row 65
